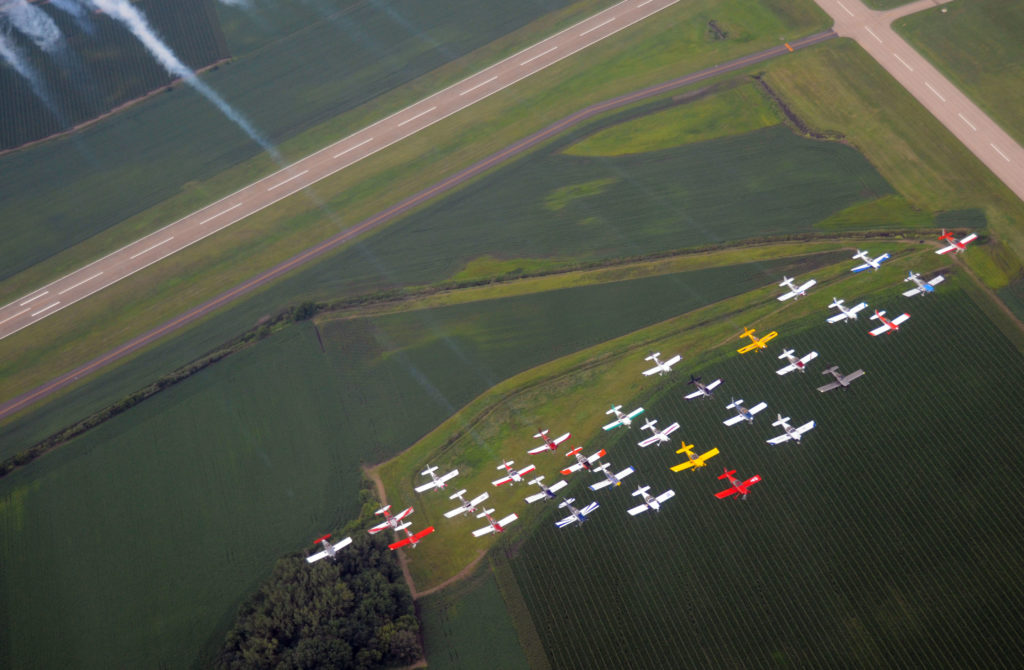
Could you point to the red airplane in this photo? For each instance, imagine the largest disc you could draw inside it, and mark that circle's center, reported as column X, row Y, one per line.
column 549, row 444
column 582, row 461
column 392, row 522
column 411, row 539
column 736, row 487
column 887, row 325
column 954, row 244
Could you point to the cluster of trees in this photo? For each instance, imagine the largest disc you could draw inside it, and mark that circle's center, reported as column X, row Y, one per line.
column 356, row 612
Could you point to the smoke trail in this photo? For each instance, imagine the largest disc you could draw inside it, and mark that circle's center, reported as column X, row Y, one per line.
column 136, row 23
column 33, row 23
column 77, row 12
column 9, row 52
column 235, row 3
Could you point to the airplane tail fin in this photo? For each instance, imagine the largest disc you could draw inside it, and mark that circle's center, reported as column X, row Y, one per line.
column 541, row 434
column 747, row 332
column 640, row 490
column 726, row 473
column 786, row 352
column 652, row 424
column 321, row 539
column 566, row 502
column 693, row 380
column 383, row 510
column 653, row 357
column 457, row 494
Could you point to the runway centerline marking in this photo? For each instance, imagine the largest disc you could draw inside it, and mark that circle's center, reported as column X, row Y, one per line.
column 645, row 2
column 533, row 58
column 868, row 28
column 294, row 176
column 1005, row 157
column 600, row 25
column 964, row 119
column 148, row 249
column 352, row 148
column 844, row 8
column 935, row 92
column 80, row 283
column 483, row 83
column 219, row 213
column 413, row 118
column 33, row 298
column 52, row 304
column 903, row 61
column 13, row 316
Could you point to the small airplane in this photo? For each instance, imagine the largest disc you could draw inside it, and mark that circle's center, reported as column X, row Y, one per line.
column 794, row 290
column 693, row 460
column 659, row 435
column 582, row 462
column 492, row 525
column 844, row 311
column 742, row 412
column 549, row 444
column 467, row 506
column 887, row 325
column 921, row 286
column 575, row 515
column 702, row 389
column 736, row 487
column 545, row 491
column 840, row 379
column 954, row 245
column 755, row 341
column 411, row 539
column 329, row 550
column 512, row 475
column 435, row 481
column 869, row 263
column 622, row 419
column 661, row 367
column 794, row 362
column 391, row 522
column 609, row 478
column 650, row 502
column 790, row 433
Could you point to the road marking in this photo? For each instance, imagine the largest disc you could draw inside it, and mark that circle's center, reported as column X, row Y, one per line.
column 147, row 250
column 52, row 304
column 903, row 61
column 294, row 176
column 352, row 148
column 600, row 25
column 533, row 58
column 33, row 298
column 80, row 283
column 483, row 83
column 1005, row 157
column 219, row 213
column 16, row 314
column 645, row 2
column 413, row 118
column 844, row 8
column 867, row 28
column 964, row 119
column 935, row 92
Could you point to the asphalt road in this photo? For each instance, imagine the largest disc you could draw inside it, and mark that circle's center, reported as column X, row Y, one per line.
column 142, row 253
column 35, row 395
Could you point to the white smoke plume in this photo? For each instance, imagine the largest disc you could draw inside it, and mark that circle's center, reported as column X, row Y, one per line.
column 33, row 23
column 9, row 52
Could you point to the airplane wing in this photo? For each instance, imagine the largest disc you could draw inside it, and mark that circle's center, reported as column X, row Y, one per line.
column 316, row 557
column 936, row 280
column 535, row 497
column 537, row 450
column 856, row 374
column 713, row 385
column 635, row 413
column 672, row 361
column 633, row 511
column 682, row 466
column 404, row 513
column 881, row 259
column 665, row 496
column 600, row 485
column 344, row 543
column 589, row 508
column 528, row 469
column 884, row 328
column 900, row 319
column 787, row 296
column 829, row 386
column 597, row 455
column 835, row 318
column 671, row 429
column 946, row 250
column 747, row 347
column 507, row 520
column 733, row 420
column 770, row 336
column 753, row 480
column 449, row 476
column 613, row 424
column 785, row 370
column 378, row 528
column 557, row 486
column 726, row 493
column 970, row 238
column 691, row 396
column 426, row 487
column 503, row 480
column 780, row 439
column 807, row 285
column 809, row 357
column 455, row 512
column 861, row 268
column 710, row 453
column 562, row 523
column 758, row 407
column 806, row 427
column 656, row 369
column 912, row 292
column 571, row 469
column 625, row 473
column 414, row 538
column 483, row 531
column 646, row 442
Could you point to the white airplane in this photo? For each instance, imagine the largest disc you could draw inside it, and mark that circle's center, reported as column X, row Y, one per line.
column 329, row 550
column 575, row 515
column 622, row 419
column 742, row 412
column 795, row 363
column 887, row 325
column 790, row 433
column 794, row 290
column 582, row 462
column 391, row 522
column 702, row 389
column 954, row 245
column 845, row 312
column 512, row 475
column 492, row 525
column 650, row 502
column 659, row 366
column 921, row 286
column 435, row 481
column 659, row 435
column 549, row 444
column 841, row 380
column 869, row 263
column 545, row 491
column 609, row 478
column 467, row 506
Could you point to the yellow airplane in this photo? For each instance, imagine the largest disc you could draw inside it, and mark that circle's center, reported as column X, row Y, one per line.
column 755, row 341
column 694, row 461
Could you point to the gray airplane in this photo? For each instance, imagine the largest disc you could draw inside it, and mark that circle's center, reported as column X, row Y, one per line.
column 841, row 380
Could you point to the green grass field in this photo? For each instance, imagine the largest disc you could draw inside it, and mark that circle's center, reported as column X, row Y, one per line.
column 978, row 46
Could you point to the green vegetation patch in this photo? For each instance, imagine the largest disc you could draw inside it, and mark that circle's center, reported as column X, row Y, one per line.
column 734, row 111
column 891, row 211
column 558, row 199
column 978, row 46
